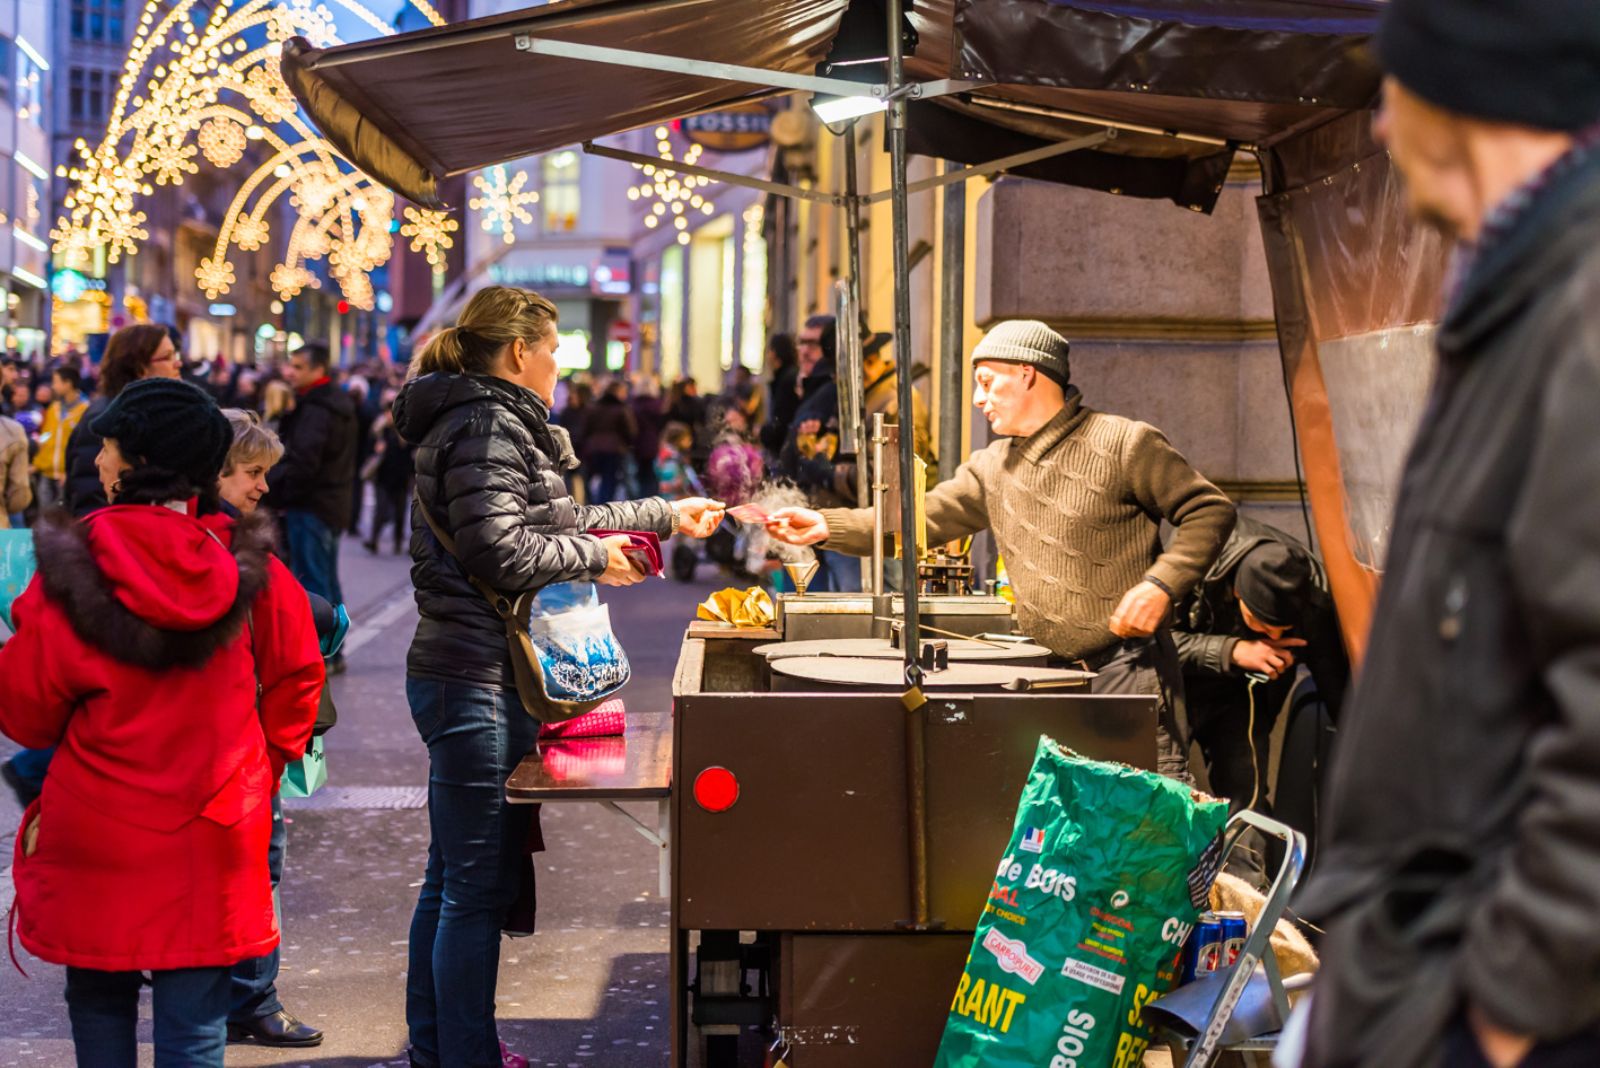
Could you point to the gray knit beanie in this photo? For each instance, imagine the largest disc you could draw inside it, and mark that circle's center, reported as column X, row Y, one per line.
column 1026, row 341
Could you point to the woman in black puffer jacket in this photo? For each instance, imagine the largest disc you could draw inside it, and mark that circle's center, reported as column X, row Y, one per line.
column 489, row 469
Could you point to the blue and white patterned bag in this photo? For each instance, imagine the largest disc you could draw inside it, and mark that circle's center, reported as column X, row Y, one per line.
column 578, row 652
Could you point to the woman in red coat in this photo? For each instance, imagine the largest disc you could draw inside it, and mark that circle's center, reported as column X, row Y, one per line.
column 140, row 647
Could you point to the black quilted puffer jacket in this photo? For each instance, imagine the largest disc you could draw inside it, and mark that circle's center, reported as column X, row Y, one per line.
column 489, row 471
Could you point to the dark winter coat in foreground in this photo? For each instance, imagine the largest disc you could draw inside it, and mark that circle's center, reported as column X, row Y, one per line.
column 489, row 470
column 1461, row 846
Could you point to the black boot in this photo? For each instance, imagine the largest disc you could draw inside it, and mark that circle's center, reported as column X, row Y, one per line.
column 279, row 1029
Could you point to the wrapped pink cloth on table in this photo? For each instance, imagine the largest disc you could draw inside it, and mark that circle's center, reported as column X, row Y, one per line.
column 604, row 719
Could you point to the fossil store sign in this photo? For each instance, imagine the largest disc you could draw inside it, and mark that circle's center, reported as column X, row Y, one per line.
column 735, row 129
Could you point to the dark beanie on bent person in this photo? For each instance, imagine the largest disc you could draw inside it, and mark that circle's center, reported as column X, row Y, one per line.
column 170, row 424
column 1274, row 582
column 1534, row 63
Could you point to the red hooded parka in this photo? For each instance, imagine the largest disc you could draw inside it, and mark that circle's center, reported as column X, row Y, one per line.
column 138, row 648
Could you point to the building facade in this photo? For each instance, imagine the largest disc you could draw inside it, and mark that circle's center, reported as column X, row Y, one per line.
column 25, row 162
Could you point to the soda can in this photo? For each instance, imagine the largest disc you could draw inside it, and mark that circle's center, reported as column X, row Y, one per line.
column 1235, row 929
column 1202, row 951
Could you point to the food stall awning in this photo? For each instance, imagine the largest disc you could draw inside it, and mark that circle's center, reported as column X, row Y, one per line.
column 1187, row 81
column 415, row 108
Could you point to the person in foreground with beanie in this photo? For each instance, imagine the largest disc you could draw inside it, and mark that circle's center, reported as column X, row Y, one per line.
column 1075, row 499
column 173, row 662
column 1459, row 872
column 1262, row 608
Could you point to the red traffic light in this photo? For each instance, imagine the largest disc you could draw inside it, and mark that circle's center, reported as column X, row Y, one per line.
column 344, row 307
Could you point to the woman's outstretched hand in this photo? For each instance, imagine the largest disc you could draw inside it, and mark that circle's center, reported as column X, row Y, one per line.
column 699, row 517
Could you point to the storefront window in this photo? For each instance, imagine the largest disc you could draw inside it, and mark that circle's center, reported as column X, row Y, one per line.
column 560, row 193
column 29, row 89
column 729, row 311
column 672, row 313
column 753, row 300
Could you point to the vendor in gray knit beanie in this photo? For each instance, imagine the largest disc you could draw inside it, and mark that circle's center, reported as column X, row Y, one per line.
column 1027, row 341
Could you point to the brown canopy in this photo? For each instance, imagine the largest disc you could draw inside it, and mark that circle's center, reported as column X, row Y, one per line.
column 412, row 109
column 418, row 107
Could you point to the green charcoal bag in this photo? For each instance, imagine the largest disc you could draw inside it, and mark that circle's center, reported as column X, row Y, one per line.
column 1107, row 871
column 305, row 776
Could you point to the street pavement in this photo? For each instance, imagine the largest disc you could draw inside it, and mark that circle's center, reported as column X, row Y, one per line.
column 588, row 989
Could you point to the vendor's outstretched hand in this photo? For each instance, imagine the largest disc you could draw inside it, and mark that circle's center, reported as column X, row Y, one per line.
column 797, row 526
column 1142, row 610
column 698, row 517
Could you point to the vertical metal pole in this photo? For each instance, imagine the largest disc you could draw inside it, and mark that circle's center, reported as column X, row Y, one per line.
column 852, row 227
column 902, row 342
column 952, row 358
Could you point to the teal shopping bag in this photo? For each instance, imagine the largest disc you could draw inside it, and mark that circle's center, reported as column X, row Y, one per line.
column 16, row 569
column 307, row 775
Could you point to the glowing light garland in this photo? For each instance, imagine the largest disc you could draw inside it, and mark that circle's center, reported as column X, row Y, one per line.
column 675, row 196
column 503, row 200
column 210, row 88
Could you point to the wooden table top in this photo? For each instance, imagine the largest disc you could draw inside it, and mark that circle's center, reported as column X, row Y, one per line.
column 716, row 629
column 633, row 767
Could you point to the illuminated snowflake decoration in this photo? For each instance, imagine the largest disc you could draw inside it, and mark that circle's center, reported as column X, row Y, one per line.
column 429, row 233
column 202, row 78
column 503, row 200
column 215, row 277
column 222, row 142
column 250, row 233
column 676, row 196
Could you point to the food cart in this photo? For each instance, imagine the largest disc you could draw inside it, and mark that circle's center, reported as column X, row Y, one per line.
column 826, row 847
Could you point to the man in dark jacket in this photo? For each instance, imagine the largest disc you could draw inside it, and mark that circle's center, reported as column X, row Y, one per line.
column 807, row 457
column 311, row 487
column 1459, row 878
column 1262, row 606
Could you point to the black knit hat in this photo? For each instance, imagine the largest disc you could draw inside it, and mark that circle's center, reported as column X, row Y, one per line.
column 1274, row 582
column 170, row 424
column 1531, row 64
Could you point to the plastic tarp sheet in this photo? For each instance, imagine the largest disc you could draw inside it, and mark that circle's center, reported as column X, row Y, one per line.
column 415, row 108
column 1357, row 287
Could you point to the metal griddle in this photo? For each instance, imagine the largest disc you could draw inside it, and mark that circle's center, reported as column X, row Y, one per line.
column 961, row 649
column 802, row 673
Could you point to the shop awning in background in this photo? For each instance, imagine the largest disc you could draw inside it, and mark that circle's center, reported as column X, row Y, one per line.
column 415, row 108
column 1186, row 80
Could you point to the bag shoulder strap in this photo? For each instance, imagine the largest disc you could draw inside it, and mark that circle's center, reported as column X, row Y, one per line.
column 505, row 607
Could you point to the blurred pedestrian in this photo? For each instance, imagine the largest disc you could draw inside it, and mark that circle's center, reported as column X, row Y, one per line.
column 1459, row 877
column 367, row 411
column 277, row 401
column 648, row 418
column 60, row 419
column 609, row 435
column 311, row 486
column 153, row 858
column 783, row 392
column 15, row 468
column 574, row 419
column 391, row 482
column 134, row 352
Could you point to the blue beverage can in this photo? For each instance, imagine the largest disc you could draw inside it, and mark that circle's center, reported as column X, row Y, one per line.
column 1203, row 949
column 1235, row 929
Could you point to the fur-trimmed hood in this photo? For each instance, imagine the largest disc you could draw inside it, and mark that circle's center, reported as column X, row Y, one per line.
column 150, row 586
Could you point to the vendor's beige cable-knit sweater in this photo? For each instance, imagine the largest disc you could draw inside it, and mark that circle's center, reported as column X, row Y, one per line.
column 1076, row 510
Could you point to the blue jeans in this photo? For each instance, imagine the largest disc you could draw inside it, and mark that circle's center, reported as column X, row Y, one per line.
column 836, row 573
column 254, row 984
column 478, row 844
column 313, row 554
column 189, row 1006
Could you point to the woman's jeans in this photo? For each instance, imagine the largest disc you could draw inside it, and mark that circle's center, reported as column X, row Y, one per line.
column 189, row 1006
column 478, row 844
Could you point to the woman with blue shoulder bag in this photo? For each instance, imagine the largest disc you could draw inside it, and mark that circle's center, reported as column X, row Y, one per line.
column 500, row 538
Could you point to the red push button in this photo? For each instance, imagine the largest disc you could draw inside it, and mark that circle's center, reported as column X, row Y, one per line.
column 715, row 789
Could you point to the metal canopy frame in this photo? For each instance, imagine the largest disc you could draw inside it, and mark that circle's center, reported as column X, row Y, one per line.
column 895, row 93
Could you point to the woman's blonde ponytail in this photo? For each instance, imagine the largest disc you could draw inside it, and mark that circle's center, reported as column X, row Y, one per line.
column 494, row 318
